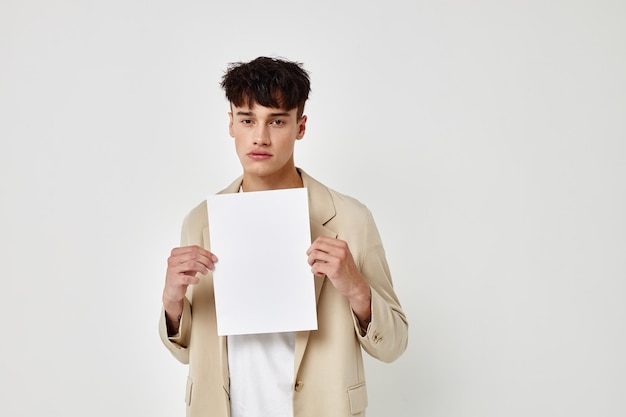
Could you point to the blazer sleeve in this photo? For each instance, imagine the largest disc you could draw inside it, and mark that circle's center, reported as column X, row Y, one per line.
column 178, row 343
column 387, row 334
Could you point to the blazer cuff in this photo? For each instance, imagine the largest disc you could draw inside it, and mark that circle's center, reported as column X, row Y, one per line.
column 360, row 331
column 180, row 340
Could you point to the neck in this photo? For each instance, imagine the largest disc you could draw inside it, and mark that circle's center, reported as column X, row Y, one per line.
column 290, row 179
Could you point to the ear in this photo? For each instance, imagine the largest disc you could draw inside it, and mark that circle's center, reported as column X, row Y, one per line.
column 231, row 132
column 301, row 127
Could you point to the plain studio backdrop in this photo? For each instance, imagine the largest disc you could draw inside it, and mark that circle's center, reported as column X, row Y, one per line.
column 488, row 138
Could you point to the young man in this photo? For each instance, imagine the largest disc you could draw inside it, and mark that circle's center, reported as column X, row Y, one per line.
column 292, row 374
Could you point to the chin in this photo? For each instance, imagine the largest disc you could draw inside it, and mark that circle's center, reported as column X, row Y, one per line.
column 259, row 171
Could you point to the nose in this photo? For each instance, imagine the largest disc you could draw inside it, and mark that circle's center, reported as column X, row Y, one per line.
column 262, row 135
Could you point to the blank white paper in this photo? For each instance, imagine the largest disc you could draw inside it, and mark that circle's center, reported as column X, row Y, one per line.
column 262, row 281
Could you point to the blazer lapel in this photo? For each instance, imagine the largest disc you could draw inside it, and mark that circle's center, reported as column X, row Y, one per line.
column 321, row 211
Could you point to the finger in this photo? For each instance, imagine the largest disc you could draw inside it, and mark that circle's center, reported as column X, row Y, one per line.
column 317, row 268
column 327, row 244
column 317, row 244
column 193, row 256
column 199, row 252
column 319, row 256
column 178, row 283
column 187, row 279
column 189, row 268
column 193, row 250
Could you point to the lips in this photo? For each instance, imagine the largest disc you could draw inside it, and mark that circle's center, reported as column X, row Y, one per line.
column 259, row 155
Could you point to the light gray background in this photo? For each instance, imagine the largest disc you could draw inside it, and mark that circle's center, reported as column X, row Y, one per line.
column 487, row 137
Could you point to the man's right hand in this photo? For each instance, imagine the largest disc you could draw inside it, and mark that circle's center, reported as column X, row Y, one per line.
column 182, row 267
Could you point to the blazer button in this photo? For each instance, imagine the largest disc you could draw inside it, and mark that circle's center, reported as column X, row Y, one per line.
column 298, row 386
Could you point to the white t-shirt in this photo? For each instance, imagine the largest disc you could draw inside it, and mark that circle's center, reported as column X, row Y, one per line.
column 261, row 370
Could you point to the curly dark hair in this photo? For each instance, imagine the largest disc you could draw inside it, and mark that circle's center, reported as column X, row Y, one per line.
column 269, row 82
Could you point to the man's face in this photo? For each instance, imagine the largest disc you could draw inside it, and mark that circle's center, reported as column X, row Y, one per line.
column 265, row 138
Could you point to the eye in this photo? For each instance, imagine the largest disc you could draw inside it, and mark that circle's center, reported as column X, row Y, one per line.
column 278, row 122
column 246, row 122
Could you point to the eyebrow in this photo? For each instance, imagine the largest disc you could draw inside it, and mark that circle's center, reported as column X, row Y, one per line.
column 249, row 113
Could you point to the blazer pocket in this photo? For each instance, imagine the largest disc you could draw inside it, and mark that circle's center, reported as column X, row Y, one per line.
column 357, row 396
column 188, row 390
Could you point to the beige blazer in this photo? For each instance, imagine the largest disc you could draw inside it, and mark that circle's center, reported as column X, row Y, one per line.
column 328, row 369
